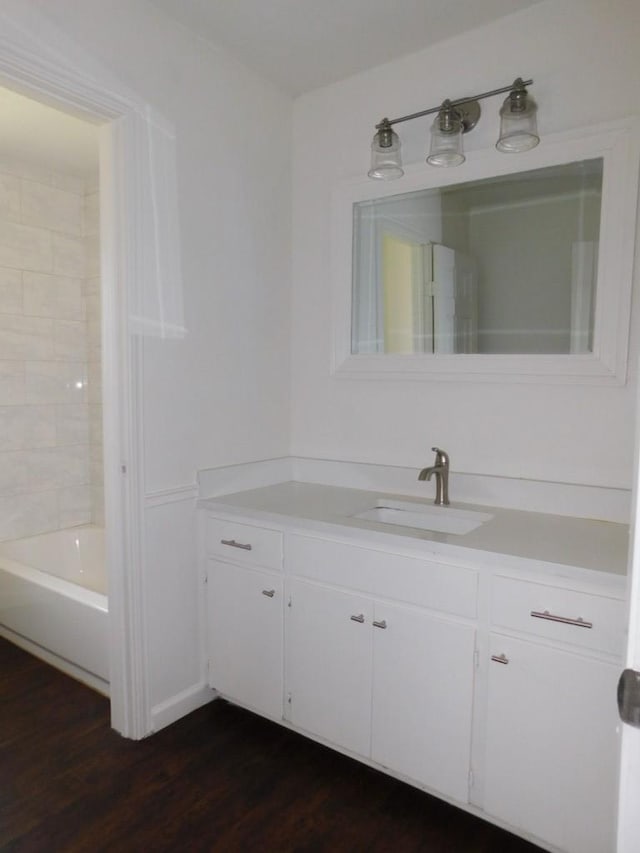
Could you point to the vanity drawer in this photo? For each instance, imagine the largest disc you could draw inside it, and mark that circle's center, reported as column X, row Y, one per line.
column 564, row 615
column 423, row 583
column 243, row 543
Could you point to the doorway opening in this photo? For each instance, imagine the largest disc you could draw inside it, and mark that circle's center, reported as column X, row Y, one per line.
column 51, row 434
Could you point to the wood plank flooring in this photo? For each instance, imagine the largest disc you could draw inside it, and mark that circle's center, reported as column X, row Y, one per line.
column 221, row 779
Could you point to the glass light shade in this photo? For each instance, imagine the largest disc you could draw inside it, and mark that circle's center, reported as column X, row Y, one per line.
column 446, row 142
column 446, row 139
column 386, row 162
column 518, row 126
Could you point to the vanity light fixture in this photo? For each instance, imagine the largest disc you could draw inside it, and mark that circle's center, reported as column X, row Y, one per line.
column 518, row 131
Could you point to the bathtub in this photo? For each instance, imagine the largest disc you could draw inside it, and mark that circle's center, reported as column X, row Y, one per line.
column 53, row 600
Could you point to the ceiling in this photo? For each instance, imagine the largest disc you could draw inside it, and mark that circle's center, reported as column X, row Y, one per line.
column 304, row 44
column 45, row 138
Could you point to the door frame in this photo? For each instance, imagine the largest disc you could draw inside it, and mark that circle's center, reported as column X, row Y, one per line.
column 24, row 69
column 629, row 790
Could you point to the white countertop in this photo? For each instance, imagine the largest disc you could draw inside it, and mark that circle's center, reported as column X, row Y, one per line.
column 598, row 546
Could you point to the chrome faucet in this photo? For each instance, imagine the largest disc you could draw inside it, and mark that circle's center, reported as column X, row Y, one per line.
column 441, row 469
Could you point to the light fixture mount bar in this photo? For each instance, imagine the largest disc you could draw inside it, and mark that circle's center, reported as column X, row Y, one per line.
column 517, row 84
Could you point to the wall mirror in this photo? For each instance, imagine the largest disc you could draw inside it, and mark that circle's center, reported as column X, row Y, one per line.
column 492, row 273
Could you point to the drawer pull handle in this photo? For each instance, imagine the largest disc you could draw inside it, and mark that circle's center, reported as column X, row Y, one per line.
column 381, row 624
column 233, row 544
column 269, row 592
column 359, row 618
column 550, row 617
column 500, row 658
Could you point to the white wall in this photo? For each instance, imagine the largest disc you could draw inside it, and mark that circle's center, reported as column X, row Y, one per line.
column 583, row 56
column 220, row 395
column 217, row 397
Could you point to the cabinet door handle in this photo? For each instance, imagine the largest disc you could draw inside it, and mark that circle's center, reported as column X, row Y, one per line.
column 233, row 544
column 579, row 622
column 358, row 618
column 269, row 592
column 500, row 658
column 381, row 624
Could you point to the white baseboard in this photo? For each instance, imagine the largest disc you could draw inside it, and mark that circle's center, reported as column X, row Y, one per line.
column 180, row 705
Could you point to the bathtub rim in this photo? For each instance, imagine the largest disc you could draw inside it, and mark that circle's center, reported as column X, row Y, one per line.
column 92, row 553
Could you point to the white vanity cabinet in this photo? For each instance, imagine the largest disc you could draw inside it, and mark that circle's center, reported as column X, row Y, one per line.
column 328, row 669
column 551, row 743
column 244, row 614
column 423, row 678
column 460, row 670
column 391, row 682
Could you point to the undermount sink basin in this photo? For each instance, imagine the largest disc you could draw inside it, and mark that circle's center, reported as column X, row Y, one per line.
column 438, row 519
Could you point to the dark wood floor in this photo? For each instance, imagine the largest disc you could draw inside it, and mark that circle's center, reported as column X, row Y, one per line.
column 221, row 779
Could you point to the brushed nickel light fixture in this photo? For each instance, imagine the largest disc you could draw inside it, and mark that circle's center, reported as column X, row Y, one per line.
column 518, row 130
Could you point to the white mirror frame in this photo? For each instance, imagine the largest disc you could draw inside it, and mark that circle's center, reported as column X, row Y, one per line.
column 619, row 146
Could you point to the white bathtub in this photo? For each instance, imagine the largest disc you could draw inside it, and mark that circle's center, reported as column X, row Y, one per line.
column 53, row 600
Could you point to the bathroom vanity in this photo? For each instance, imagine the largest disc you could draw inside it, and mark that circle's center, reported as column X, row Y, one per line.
column 480, row 666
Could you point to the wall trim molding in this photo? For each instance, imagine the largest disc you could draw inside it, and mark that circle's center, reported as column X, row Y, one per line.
column 180, row 705
column 188, row 492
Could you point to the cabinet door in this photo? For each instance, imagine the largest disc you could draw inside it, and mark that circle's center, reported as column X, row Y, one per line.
column 329, row 664
column 551, row 748
column 422, row 697
column 246, row 636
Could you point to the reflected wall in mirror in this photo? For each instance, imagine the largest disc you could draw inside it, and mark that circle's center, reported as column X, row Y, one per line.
column 503, row 265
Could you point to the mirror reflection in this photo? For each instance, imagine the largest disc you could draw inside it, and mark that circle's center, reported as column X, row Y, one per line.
column 505, row 265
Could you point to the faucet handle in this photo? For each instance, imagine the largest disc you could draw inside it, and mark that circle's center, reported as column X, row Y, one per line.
column 442, row 457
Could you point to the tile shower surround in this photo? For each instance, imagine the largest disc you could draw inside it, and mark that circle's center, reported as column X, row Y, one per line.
column 50, row 410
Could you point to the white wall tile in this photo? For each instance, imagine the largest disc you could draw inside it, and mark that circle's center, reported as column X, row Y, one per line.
column 26, row 248
column 94, row 383
column 71, row 183
column 72, row 424
column 97, row 505
column 27, row 427
column 51, row 207
column 92, row 255
column 74, row 506
column 95, row 424
column 92, row 288
column 94, row 341
column 55, row 382
column 52, row 296
column 68, row 255
column 92, row 297
column 14, row 476
column 25, row 338
column 69, row 340
column 92, row 214
column 9, row 198
column 53, row 468
column 12, row 383
column 50, row 439
column 10, row 291
column 28, row 514
column 12, row 165
column 96, row 465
